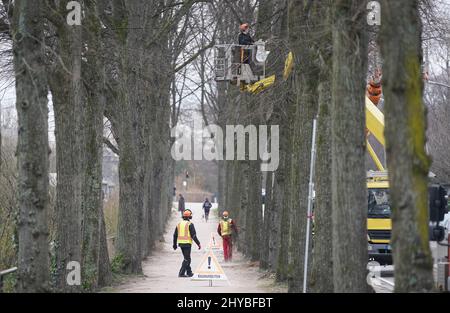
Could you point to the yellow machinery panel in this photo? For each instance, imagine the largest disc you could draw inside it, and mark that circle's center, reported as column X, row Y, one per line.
column 261, row 85
column 378, row 184
column 379, row 223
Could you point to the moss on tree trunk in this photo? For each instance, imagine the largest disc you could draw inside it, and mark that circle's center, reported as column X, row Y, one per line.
column 407, row 161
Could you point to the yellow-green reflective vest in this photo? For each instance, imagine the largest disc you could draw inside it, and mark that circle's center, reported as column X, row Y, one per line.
column 225, row 227
column 184, row 235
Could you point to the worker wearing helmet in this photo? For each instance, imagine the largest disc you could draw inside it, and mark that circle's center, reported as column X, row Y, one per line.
column 226, row 225
column 244, row 36
column 183, row 236
column 245, row 40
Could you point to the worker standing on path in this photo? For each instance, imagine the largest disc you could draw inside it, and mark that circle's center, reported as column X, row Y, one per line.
column 183, row 236
column 226, row 225
column 206, row 208
column 181, row 205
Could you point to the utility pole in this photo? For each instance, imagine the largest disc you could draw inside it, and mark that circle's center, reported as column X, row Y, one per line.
column 310, row 203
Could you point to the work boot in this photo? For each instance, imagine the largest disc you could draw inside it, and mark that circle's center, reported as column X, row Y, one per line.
column 183, row 275
column 190, row 274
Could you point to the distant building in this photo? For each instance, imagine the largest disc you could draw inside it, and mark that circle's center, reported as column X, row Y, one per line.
column 107, row 190
column 110, row 169
column 110, row 166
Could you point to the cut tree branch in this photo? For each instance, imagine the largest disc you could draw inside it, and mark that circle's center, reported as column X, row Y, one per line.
column 195, row 56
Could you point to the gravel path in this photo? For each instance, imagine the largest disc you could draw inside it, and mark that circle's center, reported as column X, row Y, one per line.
column 161, row 268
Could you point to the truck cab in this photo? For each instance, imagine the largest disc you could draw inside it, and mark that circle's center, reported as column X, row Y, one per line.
column 379, row 225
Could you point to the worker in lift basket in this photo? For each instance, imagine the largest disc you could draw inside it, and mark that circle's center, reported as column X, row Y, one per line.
column 244, row 36
column 183, row 236
column 245, row 40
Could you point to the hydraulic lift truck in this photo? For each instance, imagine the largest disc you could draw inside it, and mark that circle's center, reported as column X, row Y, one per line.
column 245, row 66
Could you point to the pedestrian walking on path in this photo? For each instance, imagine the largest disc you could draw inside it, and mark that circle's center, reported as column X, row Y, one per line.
column 206, row 208
column 183, row 236
column 225, row 228
column 181, row 205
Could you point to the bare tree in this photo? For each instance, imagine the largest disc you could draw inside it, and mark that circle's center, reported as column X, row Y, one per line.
column 408, row 163
column 322, row 267
column 96, row 271
column 348, row 147
column 65, row 82
column 302, row 22
column 32, row 149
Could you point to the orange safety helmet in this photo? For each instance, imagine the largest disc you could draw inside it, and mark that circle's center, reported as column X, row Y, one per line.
column 244, row 26
column 225, row 214
column 187, row 213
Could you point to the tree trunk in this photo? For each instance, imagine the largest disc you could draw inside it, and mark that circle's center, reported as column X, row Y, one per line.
column 32, row 149
column 278, row 100
column 322, row 264
column 130, row 204
column 283, row 190
column 349, row 194
column 132, row 143
column 322, row 269
column 95, row 266
column 255, row 207
column 67, row 96
column 301, row 20
column 407, row 160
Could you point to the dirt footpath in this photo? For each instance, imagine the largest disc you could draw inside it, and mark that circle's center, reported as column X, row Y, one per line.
column 161, row 268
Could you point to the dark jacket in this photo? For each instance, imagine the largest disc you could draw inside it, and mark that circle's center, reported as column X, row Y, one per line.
column 207, row 205
column 181, row 206
column 191, row 231
column 245, row 39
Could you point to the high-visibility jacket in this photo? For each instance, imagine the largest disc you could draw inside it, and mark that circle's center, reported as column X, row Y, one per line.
column 225, row 227
column 184, row 235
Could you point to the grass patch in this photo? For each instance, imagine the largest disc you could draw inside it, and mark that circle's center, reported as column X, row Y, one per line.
column 9, row 283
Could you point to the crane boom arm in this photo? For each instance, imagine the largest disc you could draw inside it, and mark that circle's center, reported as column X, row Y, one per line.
column 375, row 121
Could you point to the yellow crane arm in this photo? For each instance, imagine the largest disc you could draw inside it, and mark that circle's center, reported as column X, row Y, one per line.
column 375, row 157
column 375, row 121
column 375, row 125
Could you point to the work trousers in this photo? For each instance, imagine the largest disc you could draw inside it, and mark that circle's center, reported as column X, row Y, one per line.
column 186, row 265
column 227, row 247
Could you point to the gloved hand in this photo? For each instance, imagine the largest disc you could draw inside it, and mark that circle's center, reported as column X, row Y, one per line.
column 174, row 247
column 199, row 247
